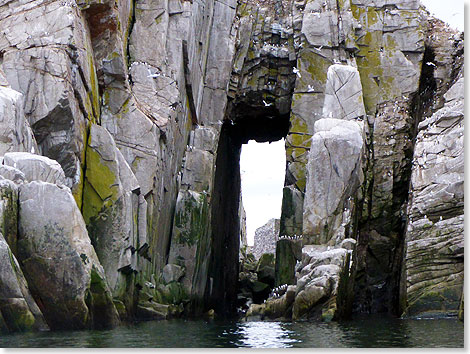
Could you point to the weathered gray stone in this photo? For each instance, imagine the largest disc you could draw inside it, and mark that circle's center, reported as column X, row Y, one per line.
column 331, row 183
column 198, row 170
column 164, row 102
column 292, row 211
column 15, row 132
column 205, row 139
column 348, row 243
column 59, row 261
column 111, row 211
column 11, row 173
column 435, row 232
column 243, row 234
column 9, row 213
column 48, row 59
column 190, row 240
column 17, row 306
column 36, row 167
column 343, row 93
column 318, row 276
column 288, row 253
column 172, row 272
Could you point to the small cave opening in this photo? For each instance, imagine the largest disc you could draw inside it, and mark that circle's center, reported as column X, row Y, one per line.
column 262, row 123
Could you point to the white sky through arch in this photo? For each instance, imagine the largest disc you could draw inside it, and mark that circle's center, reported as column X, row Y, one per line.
column 262, row 168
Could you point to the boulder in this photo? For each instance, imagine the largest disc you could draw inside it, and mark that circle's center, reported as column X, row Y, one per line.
column 36, row 167
column 58, row 260
column 318, row 276
column 17, row 307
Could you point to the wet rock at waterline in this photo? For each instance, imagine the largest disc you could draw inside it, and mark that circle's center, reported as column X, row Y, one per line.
column 17, row 307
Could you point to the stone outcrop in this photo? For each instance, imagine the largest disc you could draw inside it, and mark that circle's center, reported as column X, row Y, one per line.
column 120, row 135
column 48, row 58
column 265, row 238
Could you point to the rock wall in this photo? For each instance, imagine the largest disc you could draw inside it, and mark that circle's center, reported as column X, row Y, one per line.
column 435, row 232
column 138, row 109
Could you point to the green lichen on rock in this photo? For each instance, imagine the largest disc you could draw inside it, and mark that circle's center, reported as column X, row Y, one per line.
column 287, row 254
column 435, row 301
column 172, row 293
column 16, row 315
column 100, row 302
column 100, row 189
column 191, row 219
column 9, row 214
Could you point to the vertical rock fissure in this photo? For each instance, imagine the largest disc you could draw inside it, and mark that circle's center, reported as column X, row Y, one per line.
column 223, row 274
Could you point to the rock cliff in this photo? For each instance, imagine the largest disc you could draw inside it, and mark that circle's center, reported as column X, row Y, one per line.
column 121, row 125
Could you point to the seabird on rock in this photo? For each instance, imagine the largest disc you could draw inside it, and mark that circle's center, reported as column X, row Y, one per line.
column 266, row 104
column 296, row 71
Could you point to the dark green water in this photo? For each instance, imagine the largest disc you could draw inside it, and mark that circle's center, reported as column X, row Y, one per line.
column 366, row 332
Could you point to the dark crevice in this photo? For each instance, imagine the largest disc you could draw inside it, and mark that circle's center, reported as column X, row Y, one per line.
column 259, row 122
column 223, row 275
column 131, row 27
column 421, row 102
column 420, row 108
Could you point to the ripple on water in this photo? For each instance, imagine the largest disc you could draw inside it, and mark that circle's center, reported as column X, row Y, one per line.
column 367, row 332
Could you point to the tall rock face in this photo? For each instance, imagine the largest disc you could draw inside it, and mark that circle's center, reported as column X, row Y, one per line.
column 139, row 109
column 47, row 56
column 435, row 232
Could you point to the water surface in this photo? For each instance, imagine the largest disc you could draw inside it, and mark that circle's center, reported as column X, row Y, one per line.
column 381, row 332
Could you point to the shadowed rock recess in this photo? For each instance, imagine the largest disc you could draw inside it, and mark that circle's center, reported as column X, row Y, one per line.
column 121, row 126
